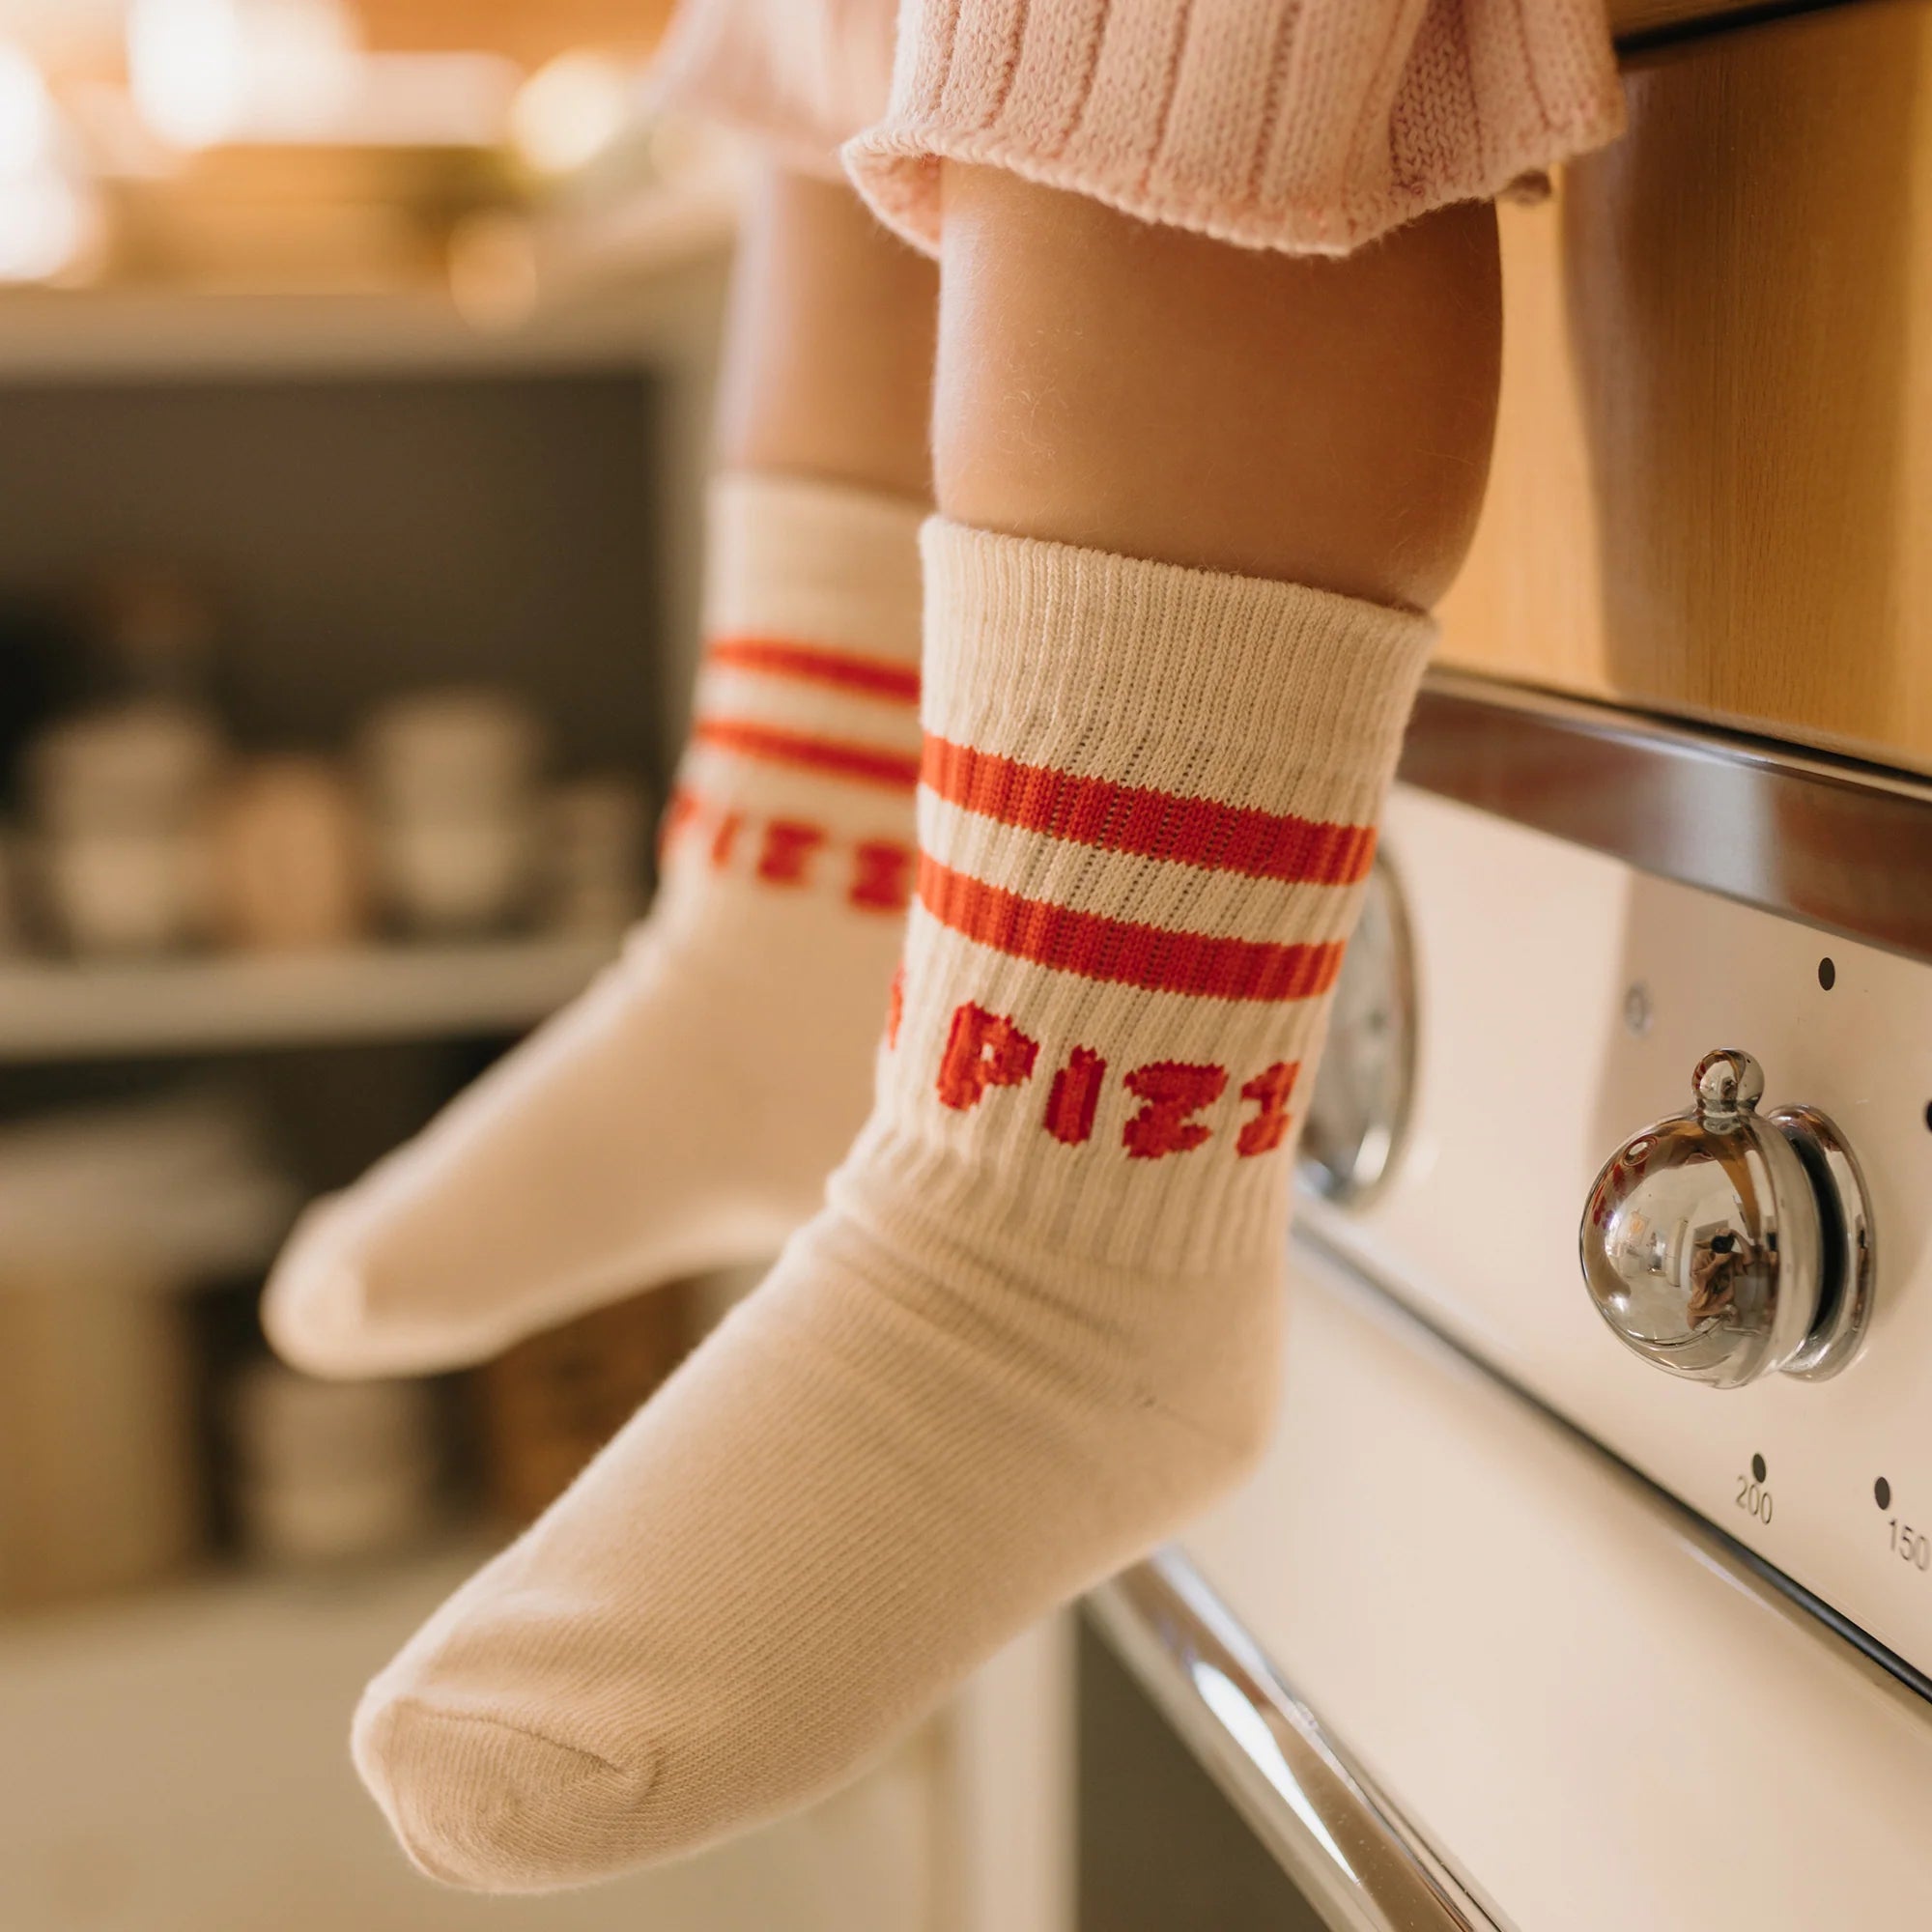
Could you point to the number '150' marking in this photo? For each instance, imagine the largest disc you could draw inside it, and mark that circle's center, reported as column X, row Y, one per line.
column 1911, row 1545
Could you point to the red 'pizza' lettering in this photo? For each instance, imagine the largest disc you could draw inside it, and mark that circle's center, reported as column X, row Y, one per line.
column 680, row 813
column 787, row 849
column 982, row 1050
column 1075, row 1097
column 882, row 876
column 1174, row 1091
column 1272, row 1087
column 725, row 838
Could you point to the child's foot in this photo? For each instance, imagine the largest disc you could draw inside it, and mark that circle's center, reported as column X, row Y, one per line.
column 1036, row 1326
column 682, row 1115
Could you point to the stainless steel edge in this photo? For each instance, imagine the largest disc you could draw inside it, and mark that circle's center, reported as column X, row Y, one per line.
column 1842, row 845
column 1638, row 27
column 1348, row 1847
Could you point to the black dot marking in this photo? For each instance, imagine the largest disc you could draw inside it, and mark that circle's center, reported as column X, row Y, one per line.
column 1758, row 1472
column 1928, row 1112
column 1882, row 1493
column 1828, row 973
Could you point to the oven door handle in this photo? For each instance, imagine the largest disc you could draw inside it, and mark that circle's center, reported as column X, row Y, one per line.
column 1361, row 1864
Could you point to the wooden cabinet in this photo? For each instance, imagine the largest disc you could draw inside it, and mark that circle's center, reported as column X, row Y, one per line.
column 1713, row 487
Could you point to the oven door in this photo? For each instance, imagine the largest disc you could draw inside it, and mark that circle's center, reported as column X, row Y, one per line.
column 1211, row 1796
column 1443, row 1662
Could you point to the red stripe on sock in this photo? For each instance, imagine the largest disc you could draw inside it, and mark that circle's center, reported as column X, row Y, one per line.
column 1122, row 952
column 1149, row 824
column 812, row 664
column 831, row 755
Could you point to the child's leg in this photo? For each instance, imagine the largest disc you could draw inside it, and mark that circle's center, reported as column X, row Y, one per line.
column 829, row 344
column 1143, row 389
column 683, row 1115
column 1036, row 1328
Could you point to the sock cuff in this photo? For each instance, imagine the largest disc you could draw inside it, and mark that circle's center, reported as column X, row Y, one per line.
column 1020, row 632
column 1148, row 806
column 814, row 563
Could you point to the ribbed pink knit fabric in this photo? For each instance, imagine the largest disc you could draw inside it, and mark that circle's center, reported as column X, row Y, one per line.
column 1311, row 126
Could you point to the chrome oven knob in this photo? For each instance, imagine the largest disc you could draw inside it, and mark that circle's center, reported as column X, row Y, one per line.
column 1722, row 1244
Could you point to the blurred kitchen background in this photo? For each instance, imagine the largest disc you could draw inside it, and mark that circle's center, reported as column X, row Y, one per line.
column 355, row 359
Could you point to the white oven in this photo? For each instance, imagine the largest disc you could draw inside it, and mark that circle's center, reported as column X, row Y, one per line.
column 1521, row 1623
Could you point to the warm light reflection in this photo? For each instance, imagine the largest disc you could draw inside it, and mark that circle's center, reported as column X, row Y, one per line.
column 47, row 225
column 49, row 220
column 493, row 277
column 311, row 144
column 570, row 111
column 203, row 72
column 26, row 114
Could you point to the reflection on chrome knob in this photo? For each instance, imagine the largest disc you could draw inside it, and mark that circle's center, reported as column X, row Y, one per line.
column 1722, row 1244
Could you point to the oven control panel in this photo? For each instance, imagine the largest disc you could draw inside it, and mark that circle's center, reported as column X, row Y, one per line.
column 1666, row 1161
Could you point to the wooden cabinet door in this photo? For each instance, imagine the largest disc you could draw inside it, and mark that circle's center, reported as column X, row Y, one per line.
column 1713, row 487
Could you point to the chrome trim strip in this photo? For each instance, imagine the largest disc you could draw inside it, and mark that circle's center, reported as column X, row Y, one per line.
column 1842, row 845
column 1321, row 1817
column 1695, row 22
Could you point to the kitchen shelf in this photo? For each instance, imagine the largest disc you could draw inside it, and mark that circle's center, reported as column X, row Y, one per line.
column 631, row 285
column 55, row 1010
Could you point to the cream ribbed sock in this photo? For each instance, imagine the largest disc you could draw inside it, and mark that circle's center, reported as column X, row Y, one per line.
column 1036, row 1329
column 684, row 1113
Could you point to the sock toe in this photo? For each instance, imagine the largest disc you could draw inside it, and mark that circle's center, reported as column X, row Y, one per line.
column 312, row 1308
column 319, row 1313
column 489, row 1806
